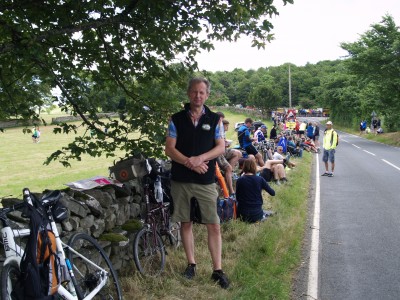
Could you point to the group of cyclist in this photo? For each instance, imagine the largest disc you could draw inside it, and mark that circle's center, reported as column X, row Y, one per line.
column 270, row 157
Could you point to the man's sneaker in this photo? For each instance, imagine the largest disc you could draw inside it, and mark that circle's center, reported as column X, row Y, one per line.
column 277, row 182
column 220, row 277
column 190, row 271
column 284, row 179
column 330, row 175
column 325, row 174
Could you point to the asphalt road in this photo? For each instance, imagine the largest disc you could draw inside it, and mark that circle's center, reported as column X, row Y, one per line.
column 359, row 250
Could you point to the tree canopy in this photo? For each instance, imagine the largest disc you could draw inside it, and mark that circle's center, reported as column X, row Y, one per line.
column 142, row 51
column 125, row 55
column 375, row 60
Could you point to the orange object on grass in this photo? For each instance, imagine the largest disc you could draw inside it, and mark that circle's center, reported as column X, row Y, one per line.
column 221, row 181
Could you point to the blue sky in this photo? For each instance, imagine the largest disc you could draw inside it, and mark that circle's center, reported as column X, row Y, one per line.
column 306, row 31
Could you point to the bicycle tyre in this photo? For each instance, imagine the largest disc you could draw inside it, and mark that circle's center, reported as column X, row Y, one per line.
column 149, row 258
column 86, row 274
column 264, row 155
column 9, row 277
column 173, row 237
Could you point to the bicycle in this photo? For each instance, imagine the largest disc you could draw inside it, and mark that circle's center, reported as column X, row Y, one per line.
column 89, row 274
column 265, row 148
column 158, row 231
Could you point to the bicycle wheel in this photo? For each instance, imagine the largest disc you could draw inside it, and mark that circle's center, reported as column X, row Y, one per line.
column 9, row 278
column 173, row 236
column 264, row 155
column 149, row 252
column 87, row 275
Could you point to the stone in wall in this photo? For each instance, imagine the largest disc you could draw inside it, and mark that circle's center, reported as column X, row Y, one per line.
column 97, row 228
column 137, row 199
column 104, row 198
column 87, row 222
column 135, row 210
column 94, row 206
column 110, row 219
column 76, row 207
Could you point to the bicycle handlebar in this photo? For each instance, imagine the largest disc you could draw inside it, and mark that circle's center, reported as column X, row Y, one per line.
column 5, row 210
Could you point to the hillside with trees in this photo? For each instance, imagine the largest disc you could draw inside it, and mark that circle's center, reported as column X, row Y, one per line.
column 366, row 80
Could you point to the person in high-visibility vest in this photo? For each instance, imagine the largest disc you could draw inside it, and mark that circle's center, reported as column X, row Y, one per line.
column 331, row 140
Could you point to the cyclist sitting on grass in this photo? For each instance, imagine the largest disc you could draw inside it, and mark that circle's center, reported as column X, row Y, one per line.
column 246, row 142
column 249, row 193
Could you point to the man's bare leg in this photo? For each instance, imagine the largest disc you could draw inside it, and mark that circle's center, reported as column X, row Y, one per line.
column 228, row 179
column 215, row 245
column 259, row 159
column 188, row 241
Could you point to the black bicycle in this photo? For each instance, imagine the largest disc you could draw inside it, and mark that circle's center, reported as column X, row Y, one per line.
column 266, row 148
column 149, row 246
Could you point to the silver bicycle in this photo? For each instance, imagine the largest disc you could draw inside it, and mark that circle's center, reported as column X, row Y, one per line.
column 89, row 272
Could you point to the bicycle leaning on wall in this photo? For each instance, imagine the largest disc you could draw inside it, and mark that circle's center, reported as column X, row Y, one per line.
column 89, row 272
column 149, row 245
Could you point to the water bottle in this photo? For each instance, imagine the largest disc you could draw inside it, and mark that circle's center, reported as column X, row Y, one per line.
column 158, row 190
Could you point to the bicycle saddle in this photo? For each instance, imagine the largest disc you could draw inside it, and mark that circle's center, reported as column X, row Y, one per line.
column 51, row 198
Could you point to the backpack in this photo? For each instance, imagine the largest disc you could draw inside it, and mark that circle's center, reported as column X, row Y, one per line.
column 40, row 266
column 337, row 139
column 226, row 209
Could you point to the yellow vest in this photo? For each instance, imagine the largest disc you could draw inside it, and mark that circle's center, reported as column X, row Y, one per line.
column 329, row 141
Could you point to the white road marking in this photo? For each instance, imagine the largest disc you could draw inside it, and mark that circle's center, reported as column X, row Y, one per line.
column 312, row 291
column 369, row 152
column 390, row 164
column 356, row 146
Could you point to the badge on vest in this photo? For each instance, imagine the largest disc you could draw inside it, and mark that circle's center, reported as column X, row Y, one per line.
column 206, row 127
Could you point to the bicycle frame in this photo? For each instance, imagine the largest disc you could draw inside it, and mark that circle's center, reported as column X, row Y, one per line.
column 152, row 210
column 62, row 291
column 14, row 252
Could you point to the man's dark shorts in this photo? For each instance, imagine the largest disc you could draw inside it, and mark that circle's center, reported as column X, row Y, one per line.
column 329, row 154
column 251, row 150
column 266, row 174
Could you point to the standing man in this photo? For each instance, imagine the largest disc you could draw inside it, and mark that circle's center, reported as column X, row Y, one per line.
column 331, row 140
column 195, row 139
column 316, row 136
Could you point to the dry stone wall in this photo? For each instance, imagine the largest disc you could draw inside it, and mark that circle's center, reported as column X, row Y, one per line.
column 109, row 214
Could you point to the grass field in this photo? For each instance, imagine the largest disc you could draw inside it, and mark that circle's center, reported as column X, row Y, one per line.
column 21, row 162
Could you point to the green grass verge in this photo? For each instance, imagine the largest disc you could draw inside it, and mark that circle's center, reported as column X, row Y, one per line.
column 390, row 138
column 260, row 259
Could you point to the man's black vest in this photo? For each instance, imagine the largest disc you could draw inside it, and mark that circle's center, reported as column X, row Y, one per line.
column 193, row 141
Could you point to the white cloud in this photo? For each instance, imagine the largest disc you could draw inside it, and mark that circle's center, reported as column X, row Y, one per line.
column 307, row 31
